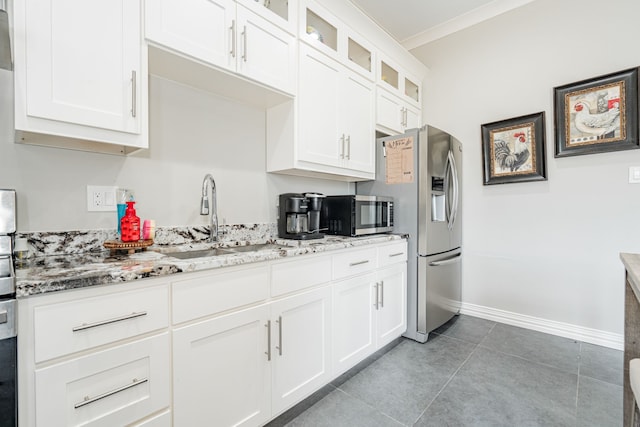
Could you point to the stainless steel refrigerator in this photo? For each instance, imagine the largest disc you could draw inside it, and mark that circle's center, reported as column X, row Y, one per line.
column 421, row 171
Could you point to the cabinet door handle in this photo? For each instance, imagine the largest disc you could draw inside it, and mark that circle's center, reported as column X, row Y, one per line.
column 382, row 294
column 87, row 400
column 108, row 321
column 134, row 91
column 232, row 39
column 268, row 352
column 342, row 146
column 375, row 287
column 396, row 254
column 244, row 44
column 353, row 264
column 348, row 141
column 279, row 346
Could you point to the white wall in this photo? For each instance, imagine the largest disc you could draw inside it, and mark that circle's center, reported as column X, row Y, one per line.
column 191, row 133
column 546, row 249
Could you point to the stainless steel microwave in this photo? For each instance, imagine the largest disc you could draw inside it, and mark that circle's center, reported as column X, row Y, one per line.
column 357, row 215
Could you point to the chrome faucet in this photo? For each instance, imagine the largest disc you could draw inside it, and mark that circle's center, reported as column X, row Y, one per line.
column 204, row 206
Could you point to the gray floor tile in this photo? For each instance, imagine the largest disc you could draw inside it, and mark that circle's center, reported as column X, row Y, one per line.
column 338, row 409
column 601, row 363
column 403, row 382
column 496, row 389
column 559, row 352
column 466, row 328
column 599, row 403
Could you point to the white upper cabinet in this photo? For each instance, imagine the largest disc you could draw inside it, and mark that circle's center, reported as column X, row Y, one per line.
column 265, row 53
column 398, row 81
column 282, row 13
column 81, row 71
column 227, row 35
column 335, row 121
column 325, row 32
column 198, row 28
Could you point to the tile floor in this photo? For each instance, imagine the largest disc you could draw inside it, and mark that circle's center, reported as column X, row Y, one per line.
column 473, row 372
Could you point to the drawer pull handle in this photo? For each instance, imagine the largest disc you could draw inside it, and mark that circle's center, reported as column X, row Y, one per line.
column 87, row 400
column 353, row 264
column 108, row 321
column 268, row 352
column 396, row 254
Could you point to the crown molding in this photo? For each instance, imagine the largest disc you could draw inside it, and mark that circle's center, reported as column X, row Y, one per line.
column 483, row 13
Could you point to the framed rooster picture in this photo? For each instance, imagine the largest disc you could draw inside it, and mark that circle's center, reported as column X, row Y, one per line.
column 514, row 150
column 597, row 115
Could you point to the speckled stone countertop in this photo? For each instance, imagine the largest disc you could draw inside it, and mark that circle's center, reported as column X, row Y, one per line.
column 632, row 264
column 57, row 273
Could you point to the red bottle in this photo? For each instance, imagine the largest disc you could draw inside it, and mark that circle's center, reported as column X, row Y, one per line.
column 130, row 225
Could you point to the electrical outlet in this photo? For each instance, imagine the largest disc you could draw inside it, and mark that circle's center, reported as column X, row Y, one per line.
column 101, row 198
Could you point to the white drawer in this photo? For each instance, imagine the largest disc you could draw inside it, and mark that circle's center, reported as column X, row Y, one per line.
column 392, row 254
column 159, row 420
column 113, row 387
column 210, row 294
column 85, row 323
column 300, row 273
column 353, row 262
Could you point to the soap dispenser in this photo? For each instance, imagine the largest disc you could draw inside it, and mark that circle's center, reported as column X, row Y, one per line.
column 130, row 225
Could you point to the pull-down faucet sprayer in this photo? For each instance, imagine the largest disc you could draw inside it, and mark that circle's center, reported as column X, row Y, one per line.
column 204, row 205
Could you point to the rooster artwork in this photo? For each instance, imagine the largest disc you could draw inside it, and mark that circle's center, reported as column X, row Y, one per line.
column 514, row 155
column 595, row 116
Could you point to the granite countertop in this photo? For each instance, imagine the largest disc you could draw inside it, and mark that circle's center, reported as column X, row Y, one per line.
column 632, row 264
column 57, row 273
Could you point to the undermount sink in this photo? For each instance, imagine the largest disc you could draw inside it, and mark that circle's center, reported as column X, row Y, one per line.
column 202, row 253
column 199, row 253
column 252, row 248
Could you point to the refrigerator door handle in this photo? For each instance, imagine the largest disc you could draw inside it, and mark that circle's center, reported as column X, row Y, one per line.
column 447, row 261
column 456, row 189
column 449, row 181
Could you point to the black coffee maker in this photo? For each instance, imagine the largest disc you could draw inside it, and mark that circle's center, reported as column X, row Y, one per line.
column 299, row 216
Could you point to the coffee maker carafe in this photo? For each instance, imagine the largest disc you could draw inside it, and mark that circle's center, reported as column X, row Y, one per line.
column 299, row 216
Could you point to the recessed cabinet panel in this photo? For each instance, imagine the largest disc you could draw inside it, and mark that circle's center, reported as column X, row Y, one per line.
column 302, row 351
column 65, row 80
column 358, row 123
column 353, row 321
column 114, row 387
column 318, row 102
column 199, row 28
column 265, row 53
column 222, row 374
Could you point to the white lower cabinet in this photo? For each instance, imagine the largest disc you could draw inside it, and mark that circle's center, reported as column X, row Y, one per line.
column 113, row 387
column 243, row 344
column 238, row 369
column 301, row 352
column 221, row 372
column 369, row 311
column 391, row 310
column 353, row 321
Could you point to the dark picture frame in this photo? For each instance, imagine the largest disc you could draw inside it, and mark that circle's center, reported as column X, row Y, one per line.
column 513, row 150
column 597, row 115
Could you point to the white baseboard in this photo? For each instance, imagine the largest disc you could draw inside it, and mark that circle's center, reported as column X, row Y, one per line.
column 592, row 336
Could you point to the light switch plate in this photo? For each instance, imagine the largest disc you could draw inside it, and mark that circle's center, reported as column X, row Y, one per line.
column 634, row 175
column 101, row 198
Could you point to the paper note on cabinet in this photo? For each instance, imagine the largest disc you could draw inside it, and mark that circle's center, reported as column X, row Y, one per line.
column 399, row 161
